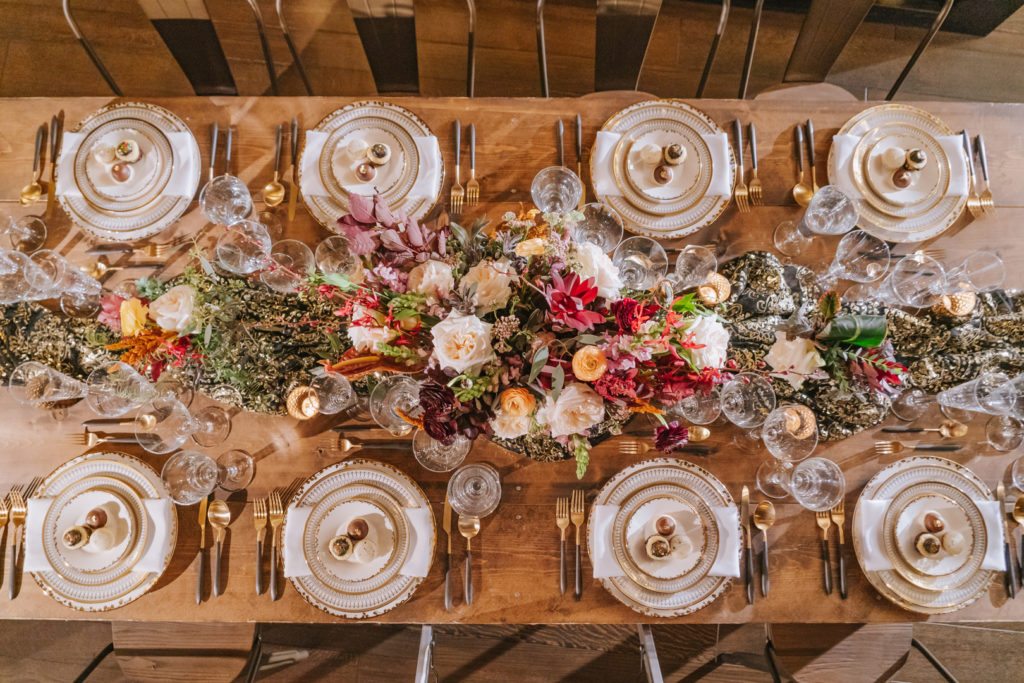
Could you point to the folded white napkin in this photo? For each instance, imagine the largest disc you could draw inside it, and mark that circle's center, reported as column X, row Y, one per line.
column 426, row 179
column 872, row 547
column 161, row 516
column 603, row 176
column 843, row 146
column 727, row 562
column 179, row 184
column 417, row 564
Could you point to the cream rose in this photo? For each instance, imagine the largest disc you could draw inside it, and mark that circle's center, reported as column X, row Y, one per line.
column 715, row 339
column 592, row 263
column 793, row 360
column 492, row 280
column 507, row 426
column 173, row 310
column 366, row 336
column 433, row 278
column 577, row 409
column 462, row 342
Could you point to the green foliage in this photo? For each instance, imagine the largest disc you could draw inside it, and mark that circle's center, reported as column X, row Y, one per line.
column 540, row 359
column 828, row 306
column 581, row 449
column 860, row 330
column 150, row 287
column 402, row 354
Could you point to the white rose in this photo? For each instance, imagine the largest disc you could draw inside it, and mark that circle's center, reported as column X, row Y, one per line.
column 173, row 310
column 462, row 342
column 507, row 426
column 577, row 409
column 793, row 361
column 367, row 335
column 433, row 278
column 492, row 280
column 715, row 338
column 592, row 263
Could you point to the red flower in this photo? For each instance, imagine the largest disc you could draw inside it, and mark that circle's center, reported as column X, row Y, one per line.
column 567, row 301
column 671, row 438
column 630, row 314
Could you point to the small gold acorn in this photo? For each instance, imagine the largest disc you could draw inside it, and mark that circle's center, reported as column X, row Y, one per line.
column 302, row 403
column 716, row 290
column 956, row 305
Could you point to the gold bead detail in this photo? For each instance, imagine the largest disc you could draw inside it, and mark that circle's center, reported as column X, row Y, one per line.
column 956, row 305
column 716, row 290
column 302, row 403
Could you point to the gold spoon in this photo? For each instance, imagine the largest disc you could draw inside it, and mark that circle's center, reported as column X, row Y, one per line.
column 802, row 192
column 764, row 517
column 469, row 527
column 219, row 516
column 1018, row 516
column 273, row 192
column 102, row 267
column 31, row 192
column 949, row 429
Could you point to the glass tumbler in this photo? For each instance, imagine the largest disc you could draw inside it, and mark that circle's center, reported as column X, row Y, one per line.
column 333, row 255
column 694, row 265
column 225, row 200
column 243, row 248
column 289, row 266
column 475, row 490
column 27, row 233
column 790, row 434
column 333, row 391
column 393, row 396
column 190, row 476
column 435, row 456
column 817, row 484
column 556, row 189
column 600, row 225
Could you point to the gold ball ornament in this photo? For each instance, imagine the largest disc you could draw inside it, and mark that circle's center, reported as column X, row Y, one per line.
column 716, row 290
column 697, row 433
column 800, row 421
column 956, row 305
column 302, row 403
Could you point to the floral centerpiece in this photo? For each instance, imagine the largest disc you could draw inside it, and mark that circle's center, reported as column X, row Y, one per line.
column 519, row 330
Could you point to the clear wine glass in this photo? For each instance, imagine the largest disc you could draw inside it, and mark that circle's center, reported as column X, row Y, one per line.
column 164, row 424
column 790, row 433
column 26, row 234
column 916, row 281
column 235, row 470
column 1004, row 432
column 17, row 273
column 225, row 200
column 35, row 384
column 243, row 248
column 600, row 225
column 177, row 383
column 1011, row 395
column 860, row 257
column 116, row 388
column 211, row 426
column 694, row 265
column 817, row 484
column 830, row 212
column 190, row 476
column 334, row 392
column 747, row 400
column 699, row 408
column 556, row 189
column 393, row 395
column 982, row 271
column 435, row 456
column 1017, row 473
column 333, row 255
column 911, row 405
column 641, row 261
column 80, row 297
column 980, row 395
column 271, row 221
column 475, row 490
column 289, row 267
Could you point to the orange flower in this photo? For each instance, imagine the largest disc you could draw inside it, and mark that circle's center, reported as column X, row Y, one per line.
column 517, row 402
column 531, row 247
column 133, row 317
column 589, row 363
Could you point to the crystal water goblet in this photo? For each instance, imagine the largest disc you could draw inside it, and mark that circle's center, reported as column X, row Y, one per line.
column 435, row 456
column 235, row 470
column 830, row 212
column 333, row 255
column 641, row 261
column 164, row 424
column 243, row 248
column 474, row 490
column 225, row 200
column 26, row 234
column 80, row 297
column 289, row 266
column 334, row 393
column 747, row 400
column 694, row 265
column 556, row 189
column 790, row 433
column 699, row 408
column 980, row 395
column 910, row 405
column 394, row 396
column 116, row 388
column 1004, row 432
column 982, row 271
column 860, row 257
column 601, row 225
column 1011, row 395
column 190, row 476
column 35, row 384
column 916, row 281
column 817, row 484
column 21, row 279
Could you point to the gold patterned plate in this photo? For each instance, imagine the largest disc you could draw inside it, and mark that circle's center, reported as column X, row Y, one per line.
column 928, row 186
column 635, row 176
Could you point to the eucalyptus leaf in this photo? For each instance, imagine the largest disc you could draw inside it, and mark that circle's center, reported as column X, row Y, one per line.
column 557, row 381
column 589, row 339
column 540, row 359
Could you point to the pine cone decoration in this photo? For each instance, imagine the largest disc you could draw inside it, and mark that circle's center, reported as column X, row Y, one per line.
column 716, row 290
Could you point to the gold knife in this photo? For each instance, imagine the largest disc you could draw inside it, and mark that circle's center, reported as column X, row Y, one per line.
column 1009, row 555
column 447, row 521
column 748, row 558
column 292, row 188
column 202, row 546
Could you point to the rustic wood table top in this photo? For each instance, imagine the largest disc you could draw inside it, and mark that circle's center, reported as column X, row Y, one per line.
column 516, row 553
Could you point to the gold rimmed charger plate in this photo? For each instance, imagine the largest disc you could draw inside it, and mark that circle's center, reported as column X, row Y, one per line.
column 406, row 147
column 145, row 195
column 323, row 552
column 864, row 157
column 697, row 154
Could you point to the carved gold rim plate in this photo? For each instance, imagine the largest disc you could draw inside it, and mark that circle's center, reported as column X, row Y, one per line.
column 864, row 155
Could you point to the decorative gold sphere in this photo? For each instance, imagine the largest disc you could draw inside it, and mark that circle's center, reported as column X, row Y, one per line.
column 800, row 421
column 956, row 305
column 302, row 403
column 716, row 290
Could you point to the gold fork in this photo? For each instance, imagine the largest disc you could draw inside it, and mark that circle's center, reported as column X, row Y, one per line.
column 883, row 448
column 756, row 193
column 838, row 515
column 259, row 521
column 985, row 198
column 457, row 194
column 562, row 520
column 472, row 187
column 635, row 447
column 576, row 514
column 739, row 193
column 93, row 439
column 276, row 520
column 18, row 511
column 973, row 201
column 825, row 523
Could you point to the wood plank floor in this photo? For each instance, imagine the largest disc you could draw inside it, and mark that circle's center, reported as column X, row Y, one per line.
column 43, row 651
column 39, row 56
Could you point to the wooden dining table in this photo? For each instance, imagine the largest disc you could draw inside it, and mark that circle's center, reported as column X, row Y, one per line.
column 516, row 555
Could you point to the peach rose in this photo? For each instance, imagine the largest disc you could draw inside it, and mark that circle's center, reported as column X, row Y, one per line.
column 133, row 317
column 589, row 363
column 530, row 247
column 517, row 402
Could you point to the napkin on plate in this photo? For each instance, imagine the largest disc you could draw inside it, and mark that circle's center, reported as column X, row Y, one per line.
column 179, row 184
column 727, row 563
column 426, row 179
column 843, row 146
column 603, row 176
column 417, row 564
column 872, row 547
column 161, row 516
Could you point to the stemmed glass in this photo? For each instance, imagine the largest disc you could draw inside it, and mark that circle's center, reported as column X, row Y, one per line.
column 916, row 281
column 435, row 456
column 694, row 265
column 333, row 392
column 556, row 189
column 191, row 476
column 474, row 490
column 1004, row 432
column 17, row 274
column 600, row 225
column 164, row 424
column 980, row 395
column 290, row 264
column 699, row 408
column 394, row 396
column 817, row 484
column 982, row 271
column 747, row 400
column 116, row 388
column 830, row 212
column 55, row 276
column 333, row 255
column 860, row 257
column 790, row 433
column 38, row 385
column 910, row 405
column 225, row 200
column 641, row 261
column 244, row 247
column 26, row 234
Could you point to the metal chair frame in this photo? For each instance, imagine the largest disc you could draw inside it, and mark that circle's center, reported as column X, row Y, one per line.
column 87, row 46
column 723, row 19
column 291, row 47
column 267, row 58
column 748, row 60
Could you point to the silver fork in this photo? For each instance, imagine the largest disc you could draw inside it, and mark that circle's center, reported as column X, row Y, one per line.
column 740, row 193
column 458, row 193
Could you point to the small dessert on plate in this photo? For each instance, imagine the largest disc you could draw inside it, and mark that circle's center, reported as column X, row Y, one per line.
column 358, row 529
column 681, row 545
column 102, row 539
column 674, row 154
column 933, row 522
column 128, row 151
column 928, row 544
column 378, row 154
column 665, row 525
column 658, row 547
column 76, row 537
column 341, row 547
